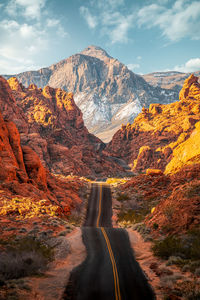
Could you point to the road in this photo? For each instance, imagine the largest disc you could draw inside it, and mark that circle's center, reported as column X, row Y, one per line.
column 110, row 270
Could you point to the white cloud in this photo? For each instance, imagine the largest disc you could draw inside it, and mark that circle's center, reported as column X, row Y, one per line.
column 52, row 22
column 90, row 19
column 27, row 8
column 107, row 4
column 191, row 65
column 116, row 26
column 17, row 42
column 26, row 33
column 108, row 15
column 132, row 67
column 180, row 20
column 120, row 32
column 55, row 24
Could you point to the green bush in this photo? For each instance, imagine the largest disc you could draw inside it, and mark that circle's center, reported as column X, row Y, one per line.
column 167, row 247
column 187, row 247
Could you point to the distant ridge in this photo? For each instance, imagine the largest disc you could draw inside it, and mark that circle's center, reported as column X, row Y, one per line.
column 106, row 91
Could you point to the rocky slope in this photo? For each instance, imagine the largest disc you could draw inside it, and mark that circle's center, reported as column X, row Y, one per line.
column 23, row 175
column 169, row 204
column 164, row 137
column 105, row 90
column 51, row 124
column 168, row 80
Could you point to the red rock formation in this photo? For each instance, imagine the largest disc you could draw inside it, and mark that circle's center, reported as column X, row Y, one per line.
column 191, row 89
column 9, row 107
column 21, row 172
column 178, row 209
column 52, row 125
column 175, row 199
column 150, row 142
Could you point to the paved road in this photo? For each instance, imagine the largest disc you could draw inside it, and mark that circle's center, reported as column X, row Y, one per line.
column 110, row 270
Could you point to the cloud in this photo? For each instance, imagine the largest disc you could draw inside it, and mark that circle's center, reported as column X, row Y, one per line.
column 180, row 20
column 107, row 4
column 17, row 42
column 112, row 22
column 25, row 40
column 191, row 65
column 132, row 67
column 55, row 24
column 116, row 26
column 90, row 19
column 26, row 8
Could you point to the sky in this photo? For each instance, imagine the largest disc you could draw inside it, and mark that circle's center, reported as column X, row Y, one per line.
column 146, row 35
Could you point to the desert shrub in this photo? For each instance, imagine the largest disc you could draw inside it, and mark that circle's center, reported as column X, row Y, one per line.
column 195, row 245
column 189, row 289
column 24, row 257
column 187, row 247
column 167, row 247
column 155, row 226
column 16, row 265
column 75, row 218
column 122, row 197
column 30, row 244
column 132, row 216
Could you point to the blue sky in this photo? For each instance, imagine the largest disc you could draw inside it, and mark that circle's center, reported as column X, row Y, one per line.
column 146, row 35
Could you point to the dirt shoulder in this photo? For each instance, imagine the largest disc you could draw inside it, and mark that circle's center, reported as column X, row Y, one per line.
column 52, row 286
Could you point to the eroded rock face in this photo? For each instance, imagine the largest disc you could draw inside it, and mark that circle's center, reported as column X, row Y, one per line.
column 22, row 173
column 174, row 199
column 11, row 157
column 178, row 212
column 191, row 89
column 9, row 107
column 162, row 134
column 53, row 127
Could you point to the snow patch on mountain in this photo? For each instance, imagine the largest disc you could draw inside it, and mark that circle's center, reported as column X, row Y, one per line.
column 128, row 110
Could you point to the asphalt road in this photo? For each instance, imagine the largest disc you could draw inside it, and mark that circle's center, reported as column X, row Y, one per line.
column 110, row 270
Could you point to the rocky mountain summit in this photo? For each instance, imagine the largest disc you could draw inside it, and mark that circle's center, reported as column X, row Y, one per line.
column 51, row 124
column 105, row 90
column 164, row 137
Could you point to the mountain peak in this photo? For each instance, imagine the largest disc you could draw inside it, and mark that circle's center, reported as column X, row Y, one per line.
column 95, row 51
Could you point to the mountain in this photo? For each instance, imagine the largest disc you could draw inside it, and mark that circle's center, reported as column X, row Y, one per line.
column 105, row 90
column 51, row 124
column 164, row 137
column 168, row 80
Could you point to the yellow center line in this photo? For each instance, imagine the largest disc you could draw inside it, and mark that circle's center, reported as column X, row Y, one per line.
column 115, row 272
column 100, row 198
column 114, row 267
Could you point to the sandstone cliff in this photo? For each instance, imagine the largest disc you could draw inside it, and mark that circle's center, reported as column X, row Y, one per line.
column 162, row 134
column 51, row 124
column 22, row 174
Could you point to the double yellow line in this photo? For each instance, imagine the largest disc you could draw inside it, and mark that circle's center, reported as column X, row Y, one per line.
column 114, row 266
column 115, row 273
column 100, row 200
